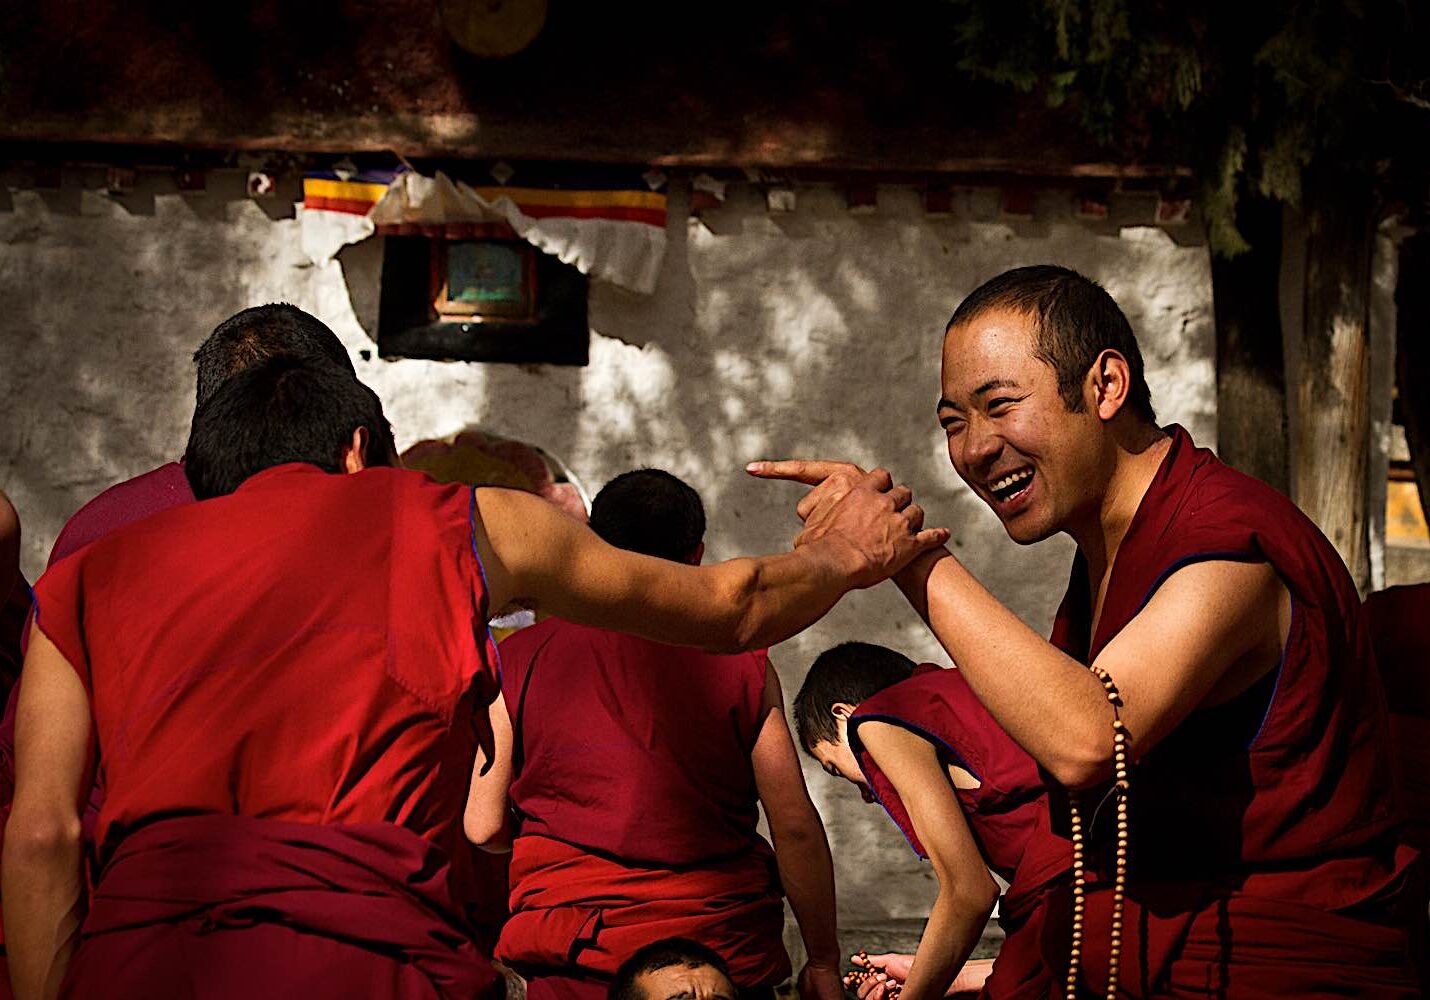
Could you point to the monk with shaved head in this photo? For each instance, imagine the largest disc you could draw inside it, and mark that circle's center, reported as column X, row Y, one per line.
column 1207, row 711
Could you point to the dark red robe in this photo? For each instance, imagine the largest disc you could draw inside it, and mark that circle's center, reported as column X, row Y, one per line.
column 121, row 504
column 1266, row 848
column 310, row 650
column 1003, row 813
column 1399, row 623
column 637, row 806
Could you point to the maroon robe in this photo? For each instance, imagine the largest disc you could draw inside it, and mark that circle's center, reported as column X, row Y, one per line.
column 637, row 806
column 309, row 650
column 1003, row 813
column 1266, row 852
column 121, row 504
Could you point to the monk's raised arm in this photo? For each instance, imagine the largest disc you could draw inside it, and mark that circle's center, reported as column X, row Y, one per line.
column 539, row 557
column 1210, row 630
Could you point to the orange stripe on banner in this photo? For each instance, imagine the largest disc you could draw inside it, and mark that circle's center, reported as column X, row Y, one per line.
column 575, row 199
column 317, row 203
column 650, row 216
column 352, row 190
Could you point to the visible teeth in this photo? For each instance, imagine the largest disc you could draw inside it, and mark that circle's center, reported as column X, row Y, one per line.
column 1007, row 481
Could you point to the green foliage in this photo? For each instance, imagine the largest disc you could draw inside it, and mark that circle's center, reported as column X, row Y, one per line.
column 1250, row 94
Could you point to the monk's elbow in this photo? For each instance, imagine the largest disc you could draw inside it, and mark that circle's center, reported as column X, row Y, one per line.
column 487, row 830
column 1079, row 768
column 35, row 839
column 740, row 625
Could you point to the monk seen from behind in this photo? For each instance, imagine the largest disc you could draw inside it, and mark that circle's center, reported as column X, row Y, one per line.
column 287, row 684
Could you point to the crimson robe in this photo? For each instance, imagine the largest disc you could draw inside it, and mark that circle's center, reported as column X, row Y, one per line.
column 121, row 504
column 1266, row 850
column 1399, row 623
column 311, row 649
column 637, row 807
column 1003, row 813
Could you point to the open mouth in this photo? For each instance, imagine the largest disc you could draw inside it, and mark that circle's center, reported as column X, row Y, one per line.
column 1010, row 487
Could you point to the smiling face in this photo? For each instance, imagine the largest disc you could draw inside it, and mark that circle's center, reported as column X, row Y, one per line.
column 1011, row 437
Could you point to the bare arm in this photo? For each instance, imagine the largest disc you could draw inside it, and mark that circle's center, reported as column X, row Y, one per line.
column 801, row 848
column 487, row 821
column 541, row 558
column 966, row 891
column 1206, row 619
column 1211, row 629
column 42, row 887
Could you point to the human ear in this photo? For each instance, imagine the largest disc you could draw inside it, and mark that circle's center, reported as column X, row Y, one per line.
column 1111, row 381
column 355, row 454
column 841, row 710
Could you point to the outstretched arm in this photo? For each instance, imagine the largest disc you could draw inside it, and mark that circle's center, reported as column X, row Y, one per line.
column 1210, row 630
column 539, row 557
column 42, row 888
column 801, row 848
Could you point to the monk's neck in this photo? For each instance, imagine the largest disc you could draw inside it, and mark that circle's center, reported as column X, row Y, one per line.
column 1135, row 462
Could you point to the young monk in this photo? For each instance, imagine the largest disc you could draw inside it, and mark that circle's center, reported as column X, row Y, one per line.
column 684, row 747
column 967, row 798
column 1236, row 699
column 284, row 678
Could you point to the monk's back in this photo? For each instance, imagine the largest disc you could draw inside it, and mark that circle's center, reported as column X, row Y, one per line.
column 228, row 674
column 631, row 747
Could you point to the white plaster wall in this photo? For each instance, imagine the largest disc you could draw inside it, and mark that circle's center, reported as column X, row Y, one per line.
column 809, row 334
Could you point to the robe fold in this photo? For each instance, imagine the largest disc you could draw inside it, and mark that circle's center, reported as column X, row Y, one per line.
column 1003, row 813
column 310, row 649
column 372, row 892
column 636, row 804
column 123, row 504
column 571, row 907
column 1265, row 841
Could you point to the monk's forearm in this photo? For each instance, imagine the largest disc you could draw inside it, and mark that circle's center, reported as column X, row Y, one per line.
column 42, row 897
column 807, row 874
column 954, row 927
column 1048, row 702
column 776, row 597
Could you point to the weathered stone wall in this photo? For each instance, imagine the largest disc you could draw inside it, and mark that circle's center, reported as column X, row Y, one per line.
column 809, row 334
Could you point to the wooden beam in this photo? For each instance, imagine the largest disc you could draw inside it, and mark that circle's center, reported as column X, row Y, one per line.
column 1331, row 430
column 1412, row 355
column 1250, row 357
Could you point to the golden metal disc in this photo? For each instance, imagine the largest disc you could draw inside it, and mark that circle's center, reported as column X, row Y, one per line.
column 494, row 28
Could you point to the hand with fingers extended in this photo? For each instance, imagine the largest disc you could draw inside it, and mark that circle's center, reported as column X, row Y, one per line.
column 884, row 976
column 876, row 520
column 865, row 510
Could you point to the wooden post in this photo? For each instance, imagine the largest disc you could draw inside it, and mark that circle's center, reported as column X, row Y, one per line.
column 1412, row 355
column 1332, row 424
column 1250, row 357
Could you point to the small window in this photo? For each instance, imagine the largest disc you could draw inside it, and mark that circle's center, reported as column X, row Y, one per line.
column 472, row 292
column 484, row 281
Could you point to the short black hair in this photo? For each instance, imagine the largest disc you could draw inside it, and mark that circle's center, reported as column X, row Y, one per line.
column 281, row 410
column 1077, row 320
column 259, row 333
column 848, row 673
column 662, row 955
column 651, row 512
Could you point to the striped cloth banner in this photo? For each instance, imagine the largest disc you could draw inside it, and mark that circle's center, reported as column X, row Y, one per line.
column 616, row 234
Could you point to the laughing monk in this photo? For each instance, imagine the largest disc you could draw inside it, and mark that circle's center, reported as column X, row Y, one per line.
column 640, row 772
column 283, row 679
column 1230, row 739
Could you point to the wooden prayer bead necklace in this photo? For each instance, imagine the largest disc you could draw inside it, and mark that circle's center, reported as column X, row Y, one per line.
column 856, row 977
column 1119, row 887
